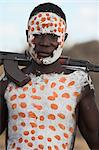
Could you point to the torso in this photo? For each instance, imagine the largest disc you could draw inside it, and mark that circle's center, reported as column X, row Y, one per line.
column 42, row 113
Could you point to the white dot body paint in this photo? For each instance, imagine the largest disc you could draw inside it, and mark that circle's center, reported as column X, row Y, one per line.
column 46, row 23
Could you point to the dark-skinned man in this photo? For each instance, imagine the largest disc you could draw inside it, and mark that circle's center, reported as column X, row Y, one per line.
column 44, row 113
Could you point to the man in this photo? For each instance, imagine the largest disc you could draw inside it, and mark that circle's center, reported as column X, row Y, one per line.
column 44, row 113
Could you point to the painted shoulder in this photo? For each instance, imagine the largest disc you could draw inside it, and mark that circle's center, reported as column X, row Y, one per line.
column 82, row 75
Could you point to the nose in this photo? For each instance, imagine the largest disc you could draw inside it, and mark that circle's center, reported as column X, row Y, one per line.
column 44, row 41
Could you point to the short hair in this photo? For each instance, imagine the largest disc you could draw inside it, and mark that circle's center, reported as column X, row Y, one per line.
column 48, row 7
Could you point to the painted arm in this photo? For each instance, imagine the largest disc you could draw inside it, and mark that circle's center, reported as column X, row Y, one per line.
column 88, row 118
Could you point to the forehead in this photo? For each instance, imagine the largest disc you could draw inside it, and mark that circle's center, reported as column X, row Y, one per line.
column 46, row 22
column 48, row 16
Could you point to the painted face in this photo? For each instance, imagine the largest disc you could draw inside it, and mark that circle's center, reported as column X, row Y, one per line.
column 45, row 44
column 46, row 33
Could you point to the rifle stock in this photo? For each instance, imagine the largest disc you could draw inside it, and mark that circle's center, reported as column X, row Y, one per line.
column 11, row 61
column 14, row 73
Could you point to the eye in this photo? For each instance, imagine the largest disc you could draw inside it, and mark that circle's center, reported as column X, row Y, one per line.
column 37, row 36
column 54, row 37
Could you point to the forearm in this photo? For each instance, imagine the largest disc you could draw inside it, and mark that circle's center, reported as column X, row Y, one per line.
column 93, row 140
column 90, row 132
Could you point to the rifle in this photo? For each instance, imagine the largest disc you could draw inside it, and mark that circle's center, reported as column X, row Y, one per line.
column 80, row 63
column 11, row 61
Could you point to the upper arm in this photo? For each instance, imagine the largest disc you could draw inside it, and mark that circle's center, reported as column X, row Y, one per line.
column 3, row 106
column 88, row 118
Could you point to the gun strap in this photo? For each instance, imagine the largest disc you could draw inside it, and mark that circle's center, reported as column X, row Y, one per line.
column 14, row 73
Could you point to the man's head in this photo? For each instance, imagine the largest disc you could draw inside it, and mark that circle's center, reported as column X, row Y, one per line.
column 46, row 33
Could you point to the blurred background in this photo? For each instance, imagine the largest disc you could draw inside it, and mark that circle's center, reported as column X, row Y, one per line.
column 82, row 28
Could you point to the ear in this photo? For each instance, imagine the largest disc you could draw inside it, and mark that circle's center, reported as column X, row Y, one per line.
column 66, row 35
column 27, row 35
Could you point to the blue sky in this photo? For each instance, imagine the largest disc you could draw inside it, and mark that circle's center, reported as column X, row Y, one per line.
column 82, row 21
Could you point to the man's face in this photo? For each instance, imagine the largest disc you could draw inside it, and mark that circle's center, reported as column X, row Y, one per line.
column 46, row 34
column 45, row 44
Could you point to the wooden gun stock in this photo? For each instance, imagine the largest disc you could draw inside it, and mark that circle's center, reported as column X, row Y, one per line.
column 11, row 61
column 14, row 73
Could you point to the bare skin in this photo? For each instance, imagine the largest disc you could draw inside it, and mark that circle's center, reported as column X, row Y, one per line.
column 87, row 112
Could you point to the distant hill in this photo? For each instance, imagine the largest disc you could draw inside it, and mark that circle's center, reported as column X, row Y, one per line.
column 87, row 51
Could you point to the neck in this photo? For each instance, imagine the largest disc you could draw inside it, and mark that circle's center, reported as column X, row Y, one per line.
column 44, row 69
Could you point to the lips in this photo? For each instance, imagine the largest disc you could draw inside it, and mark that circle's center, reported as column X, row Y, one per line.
column 43, row 54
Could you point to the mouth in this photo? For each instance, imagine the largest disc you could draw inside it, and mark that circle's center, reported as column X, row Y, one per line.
column 43, row 55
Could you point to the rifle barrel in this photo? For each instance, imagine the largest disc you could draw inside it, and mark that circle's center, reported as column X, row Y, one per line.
column 81, row 63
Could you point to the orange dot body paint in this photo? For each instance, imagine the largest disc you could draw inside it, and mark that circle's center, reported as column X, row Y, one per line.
column 44, row 110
